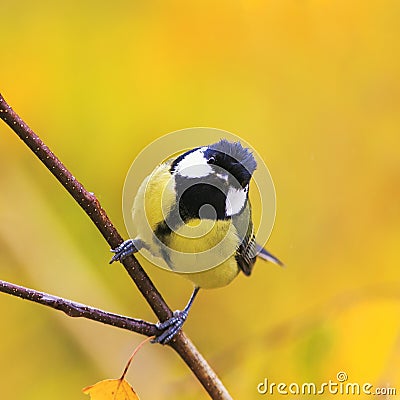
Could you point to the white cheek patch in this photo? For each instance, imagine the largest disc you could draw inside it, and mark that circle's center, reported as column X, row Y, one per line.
column 194, row 165
column 235, row 200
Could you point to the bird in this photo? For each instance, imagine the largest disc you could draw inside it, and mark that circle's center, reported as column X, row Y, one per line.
column 194, row 214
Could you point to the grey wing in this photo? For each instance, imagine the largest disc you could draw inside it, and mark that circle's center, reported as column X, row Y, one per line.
column 246, row 252
column 249, row 250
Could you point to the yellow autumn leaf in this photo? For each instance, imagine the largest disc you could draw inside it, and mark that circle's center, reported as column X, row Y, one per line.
column 111, row 389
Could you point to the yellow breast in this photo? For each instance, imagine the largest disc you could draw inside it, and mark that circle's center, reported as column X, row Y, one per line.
column 203, row 251
column 216, row 277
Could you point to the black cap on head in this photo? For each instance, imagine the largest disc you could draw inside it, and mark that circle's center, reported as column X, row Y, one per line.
column 234, row 158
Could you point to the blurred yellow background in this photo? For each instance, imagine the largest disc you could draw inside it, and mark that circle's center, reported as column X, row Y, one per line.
column 313, row 85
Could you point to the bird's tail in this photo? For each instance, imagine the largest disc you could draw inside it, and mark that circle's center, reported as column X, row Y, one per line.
column 265, row 255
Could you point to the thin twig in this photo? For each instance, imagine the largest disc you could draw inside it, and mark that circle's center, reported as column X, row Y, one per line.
column 79, row 310
column 137, row 348
column 93, row 209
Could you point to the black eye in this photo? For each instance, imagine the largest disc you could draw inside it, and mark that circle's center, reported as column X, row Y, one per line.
column 211, row 160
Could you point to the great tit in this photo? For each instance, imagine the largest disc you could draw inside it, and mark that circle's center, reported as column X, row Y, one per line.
column 193, row 212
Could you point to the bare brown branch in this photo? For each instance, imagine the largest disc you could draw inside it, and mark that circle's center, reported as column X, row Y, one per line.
column 78, row 310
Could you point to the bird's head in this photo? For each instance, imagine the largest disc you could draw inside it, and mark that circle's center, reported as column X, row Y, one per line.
column 218, row 174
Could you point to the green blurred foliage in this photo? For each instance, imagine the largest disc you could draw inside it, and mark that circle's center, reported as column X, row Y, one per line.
column 313, row 85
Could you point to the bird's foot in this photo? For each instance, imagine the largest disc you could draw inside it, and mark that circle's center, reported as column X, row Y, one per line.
column 170, row 327
column 125, row 249
column 173, row 325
